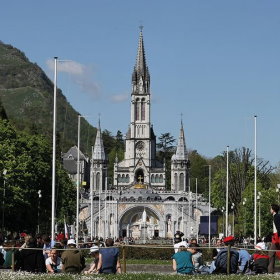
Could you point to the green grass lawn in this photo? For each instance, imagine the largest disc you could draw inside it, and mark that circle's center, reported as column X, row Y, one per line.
column 140, row 276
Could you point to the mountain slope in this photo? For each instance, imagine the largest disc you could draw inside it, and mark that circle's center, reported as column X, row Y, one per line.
column 26, row 95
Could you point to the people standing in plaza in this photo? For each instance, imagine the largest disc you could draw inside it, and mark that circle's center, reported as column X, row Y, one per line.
column 72, row 260
column 275, row 238
column 178, row 242
column 109, row 262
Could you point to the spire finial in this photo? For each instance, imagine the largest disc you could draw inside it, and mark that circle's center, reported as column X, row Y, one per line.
column 141, row 27
column 99, row 115
column 181, row 119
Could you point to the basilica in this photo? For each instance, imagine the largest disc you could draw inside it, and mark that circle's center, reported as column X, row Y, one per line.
column 139, row 203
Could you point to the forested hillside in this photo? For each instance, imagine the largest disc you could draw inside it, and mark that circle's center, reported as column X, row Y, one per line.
column 27, row 96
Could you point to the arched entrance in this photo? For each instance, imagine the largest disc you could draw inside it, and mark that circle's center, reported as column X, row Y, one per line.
column 139, row 176
column 132, row 221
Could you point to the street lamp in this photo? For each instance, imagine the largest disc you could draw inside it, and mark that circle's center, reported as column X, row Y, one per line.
column 232, row 208
column 278, row 190
column 259, row 200
column 244, row 204
column 39, row 200
column 4, row 196
column 223, row 210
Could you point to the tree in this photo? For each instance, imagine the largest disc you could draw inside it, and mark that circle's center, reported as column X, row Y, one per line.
column 165, row 151
column 27, row 161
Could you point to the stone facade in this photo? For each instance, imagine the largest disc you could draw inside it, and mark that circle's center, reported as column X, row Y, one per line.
column 138, row 204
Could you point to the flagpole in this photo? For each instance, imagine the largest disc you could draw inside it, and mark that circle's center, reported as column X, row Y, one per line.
column 227, row 195
column 255, row 185
column 54, row 150
column 196, row 209
column 78, row 182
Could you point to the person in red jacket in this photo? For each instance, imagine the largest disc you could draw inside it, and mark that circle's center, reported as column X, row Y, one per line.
column 275, row 238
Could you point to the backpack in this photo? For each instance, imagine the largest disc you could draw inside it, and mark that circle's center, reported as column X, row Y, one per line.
column 221, row 261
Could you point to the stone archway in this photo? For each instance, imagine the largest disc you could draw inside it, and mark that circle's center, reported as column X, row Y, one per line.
column 131, row 222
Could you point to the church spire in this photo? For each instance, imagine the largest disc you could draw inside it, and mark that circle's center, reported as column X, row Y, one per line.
column 98, row 151
column 140, row 75
column 181, row 151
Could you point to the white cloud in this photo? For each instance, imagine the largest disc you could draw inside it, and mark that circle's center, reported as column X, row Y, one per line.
column 119, row 98
column 80, row 74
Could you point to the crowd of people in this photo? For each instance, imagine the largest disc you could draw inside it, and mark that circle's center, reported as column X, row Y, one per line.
column 188, row 258
column 40, row 254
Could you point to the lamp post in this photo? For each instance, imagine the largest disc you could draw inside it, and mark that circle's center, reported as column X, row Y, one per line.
column 4, row 197
column 259, row 200
column 209, row 207
column 232, row 208
column 278, row 191
column 245, row 221
column 39, row 200
column 223, row 211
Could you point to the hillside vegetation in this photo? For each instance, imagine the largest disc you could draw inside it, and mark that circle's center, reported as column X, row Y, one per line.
column 26, row 94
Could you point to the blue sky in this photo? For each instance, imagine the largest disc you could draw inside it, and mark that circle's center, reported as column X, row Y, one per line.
column 217, row 62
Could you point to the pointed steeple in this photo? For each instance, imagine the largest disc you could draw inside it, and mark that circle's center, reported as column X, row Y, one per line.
column 140, row 75
column 98, row 151
column 181, row 151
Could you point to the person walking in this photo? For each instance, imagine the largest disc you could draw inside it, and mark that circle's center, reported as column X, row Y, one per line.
column 275, row 238
column 72, row 260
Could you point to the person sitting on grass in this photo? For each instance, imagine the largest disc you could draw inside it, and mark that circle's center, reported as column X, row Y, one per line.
column 94, row 253
column 182, row 261
column 260, row 259
column 53, row 263
column 221, row 260
column 109, row 262
column 196, row 256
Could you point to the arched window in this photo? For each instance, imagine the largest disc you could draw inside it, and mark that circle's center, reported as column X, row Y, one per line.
column 160, row 178
column 119, row 178
column 157, row 179
column 127, row 178
column 153, row 178
column 123, row 178
column 97, row 181
column 176, row 180
column 143, row 109
column 137, row 109
column 181, row 181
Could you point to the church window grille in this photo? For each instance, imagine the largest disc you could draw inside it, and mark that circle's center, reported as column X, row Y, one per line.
column 181, row 179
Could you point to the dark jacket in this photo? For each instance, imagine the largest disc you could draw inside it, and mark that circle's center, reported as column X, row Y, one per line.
column 276, row 220
column 32, row 260
column 221, row 261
